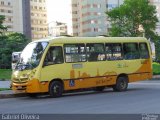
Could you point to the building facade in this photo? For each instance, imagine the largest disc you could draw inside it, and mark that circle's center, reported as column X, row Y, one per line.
column 38, row 19
column 56, row 29
column 89, row 18
column 17, row 16
column 25, row 16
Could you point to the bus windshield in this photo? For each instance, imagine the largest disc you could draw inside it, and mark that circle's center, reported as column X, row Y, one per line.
column 31, row 55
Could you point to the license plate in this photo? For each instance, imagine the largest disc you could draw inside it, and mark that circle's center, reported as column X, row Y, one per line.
column 19, row 87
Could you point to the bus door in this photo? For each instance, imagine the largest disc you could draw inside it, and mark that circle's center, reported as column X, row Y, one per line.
column 53, row 64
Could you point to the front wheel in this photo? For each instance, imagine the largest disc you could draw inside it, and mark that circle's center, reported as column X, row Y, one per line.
column 56, row 89
column 121, row 84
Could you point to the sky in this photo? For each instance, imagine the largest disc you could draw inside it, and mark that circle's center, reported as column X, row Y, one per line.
column 58, row 10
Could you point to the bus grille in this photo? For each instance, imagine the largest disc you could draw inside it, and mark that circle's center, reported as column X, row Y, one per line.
column 20, row 80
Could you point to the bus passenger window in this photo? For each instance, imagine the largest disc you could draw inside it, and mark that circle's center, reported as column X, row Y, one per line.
column 144, row 50
column 54, row 55
column 75, row 53
column 131, row 51
column 114, row 51
column 95, row 52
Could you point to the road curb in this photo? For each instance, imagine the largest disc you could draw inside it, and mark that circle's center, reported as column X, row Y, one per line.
column 156, row 77
column 3, row 96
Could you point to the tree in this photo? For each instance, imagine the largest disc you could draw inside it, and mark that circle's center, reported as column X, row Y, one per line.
column 16, row 41
column 11, row 43
column 2, row 27
column 127, row 19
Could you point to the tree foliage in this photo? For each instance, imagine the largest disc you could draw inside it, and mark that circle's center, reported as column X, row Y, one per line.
column 130, row 16
column 2, row 27
column 13, row 42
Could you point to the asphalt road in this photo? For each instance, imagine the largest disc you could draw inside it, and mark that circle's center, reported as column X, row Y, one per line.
column 141, row 97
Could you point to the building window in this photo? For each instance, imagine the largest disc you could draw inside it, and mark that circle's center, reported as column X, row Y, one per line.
column 92, row 22
column 2, row 10
column 35, row 7
column 9, row 3
column 9, row 11
column 99, row 5
column 2, row 2
column 9, row 26
column 10, row 19
column 98, row 13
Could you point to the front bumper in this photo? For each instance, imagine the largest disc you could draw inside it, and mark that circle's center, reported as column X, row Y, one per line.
column 31, row 86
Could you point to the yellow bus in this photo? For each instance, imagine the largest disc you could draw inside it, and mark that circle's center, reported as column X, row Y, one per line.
column 57, row 65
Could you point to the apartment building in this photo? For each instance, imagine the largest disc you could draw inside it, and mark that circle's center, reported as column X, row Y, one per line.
column 17, row 16
column 89, row 18
column 56, row 29
column 38, row 13
column 25, row 16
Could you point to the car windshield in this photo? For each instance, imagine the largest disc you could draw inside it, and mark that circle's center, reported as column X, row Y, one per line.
column 31, row 55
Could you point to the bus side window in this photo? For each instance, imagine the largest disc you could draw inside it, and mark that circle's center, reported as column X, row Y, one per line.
column 95, row 52
column 54, row 55
column 75, row 53
column 114, row 51
column 131, row 51
column 144, row 50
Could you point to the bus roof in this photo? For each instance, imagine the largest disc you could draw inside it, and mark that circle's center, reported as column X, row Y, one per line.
column 60, row 40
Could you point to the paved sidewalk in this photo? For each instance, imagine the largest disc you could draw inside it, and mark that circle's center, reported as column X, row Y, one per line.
column 5, row 84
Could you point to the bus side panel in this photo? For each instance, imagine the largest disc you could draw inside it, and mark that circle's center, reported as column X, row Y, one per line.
column 89, row 82
column 143, row 73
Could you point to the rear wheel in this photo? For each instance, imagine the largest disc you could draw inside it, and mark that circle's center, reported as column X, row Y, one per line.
column 56, row 89
column 121, row 84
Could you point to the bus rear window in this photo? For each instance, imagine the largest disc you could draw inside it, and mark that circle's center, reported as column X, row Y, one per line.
column 144, row 50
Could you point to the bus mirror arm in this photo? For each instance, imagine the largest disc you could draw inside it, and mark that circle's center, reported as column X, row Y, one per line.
column 44, row 64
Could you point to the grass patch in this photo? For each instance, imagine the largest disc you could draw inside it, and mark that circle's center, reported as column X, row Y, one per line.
column 5, row 74
column 3, row 89
column 156, row 68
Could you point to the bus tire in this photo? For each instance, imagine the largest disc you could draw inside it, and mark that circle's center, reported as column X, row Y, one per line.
column 56, row 89
column 121, row 84
column 99, row 89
